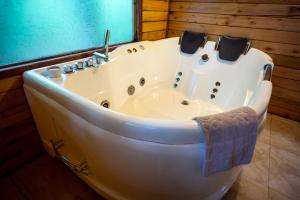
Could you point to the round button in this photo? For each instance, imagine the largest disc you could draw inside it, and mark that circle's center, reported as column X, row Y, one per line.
column 205, row 57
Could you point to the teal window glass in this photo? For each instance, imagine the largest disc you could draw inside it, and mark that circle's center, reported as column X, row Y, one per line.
column 32, row 29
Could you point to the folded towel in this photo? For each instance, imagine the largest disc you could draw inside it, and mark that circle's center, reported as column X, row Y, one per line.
column 230, row 48
column 230, row 139
column 190, row 42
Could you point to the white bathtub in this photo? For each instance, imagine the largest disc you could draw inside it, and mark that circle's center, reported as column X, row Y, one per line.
column 145, row 146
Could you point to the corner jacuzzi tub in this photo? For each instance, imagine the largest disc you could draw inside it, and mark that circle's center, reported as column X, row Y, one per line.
column 145, row 145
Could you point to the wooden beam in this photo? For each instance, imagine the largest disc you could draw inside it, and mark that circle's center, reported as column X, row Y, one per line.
column 243, row 1
column 149, row 16
column 155, row 5
column 256, row 34
column 272, row 23
column 11, row 99
column 10, row 83
column 237, row 8
column 154, row 26
column 154, row 35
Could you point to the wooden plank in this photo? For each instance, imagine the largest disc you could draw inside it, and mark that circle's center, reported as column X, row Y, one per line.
column 286, row 104
column 14, row 115
column 155, row 5
column 12, row 99
column 46, row 178
column 286, row 61
column 8, row 189
column 286, row 83
column 206, row 1
column 10, row 83
column 154, row 16
column 19, row 151
column 274, row 23
column 268, row 47
column 288, row 73
column 288, row 95
column 270, row 1
column 244, row 1
column 154, row 35
column 154, row 26
column 237, row 8
column 256, row 34
column 277, row 48
column 277, row 110
column 285, row 108
column 16, row 130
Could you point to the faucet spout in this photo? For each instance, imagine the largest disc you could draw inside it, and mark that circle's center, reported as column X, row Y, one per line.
column 107, row 34
column 104, row 56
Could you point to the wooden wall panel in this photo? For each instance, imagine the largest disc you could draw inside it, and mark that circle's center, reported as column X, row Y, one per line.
column 10, row 83
column 153, row 16
column 271, row 23
column 154, row 19
column 19, row 139
column 236, row 8
column 154, row 26
column 154, row 35
column 273, row 27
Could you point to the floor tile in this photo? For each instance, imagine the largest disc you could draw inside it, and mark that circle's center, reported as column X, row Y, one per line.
column 245, row 189
column 285, row 134
column 275, row 195
column 258, row 169
column 264, row 136
column 285, row 173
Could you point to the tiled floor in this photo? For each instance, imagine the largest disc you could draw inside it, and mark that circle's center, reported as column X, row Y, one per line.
column 273, row 174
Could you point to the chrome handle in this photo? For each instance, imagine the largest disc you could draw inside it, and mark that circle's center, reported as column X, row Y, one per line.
column 268, row 74
column 217, row 45
column 68, row 68
column 180, row 38
column 81, row 167
column 247, row 48
column 78, row 65
column 90, row 62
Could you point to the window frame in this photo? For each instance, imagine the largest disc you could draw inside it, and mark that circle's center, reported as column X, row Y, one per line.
column 20, row 67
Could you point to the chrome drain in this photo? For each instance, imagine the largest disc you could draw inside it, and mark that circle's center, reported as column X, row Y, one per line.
column 185, row 102
column 105, row 104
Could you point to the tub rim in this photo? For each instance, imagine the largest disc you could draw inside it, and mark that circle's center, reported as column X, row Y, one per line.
column 135, row 127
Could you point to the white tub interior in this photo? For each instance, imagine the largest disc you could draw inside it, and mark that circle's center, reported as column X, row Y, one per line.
column 159, row 64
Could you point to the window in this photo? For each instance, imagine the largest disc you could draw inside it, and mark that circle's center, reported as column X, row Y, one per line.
column 32, row 29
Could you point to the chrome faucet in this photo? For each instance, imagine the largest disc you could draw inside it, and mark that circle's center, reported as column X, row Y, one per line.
column 104, row 56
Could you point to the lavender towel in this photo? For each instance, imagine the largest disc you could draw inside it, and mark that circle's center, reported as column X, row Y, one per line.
column 230, row 139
